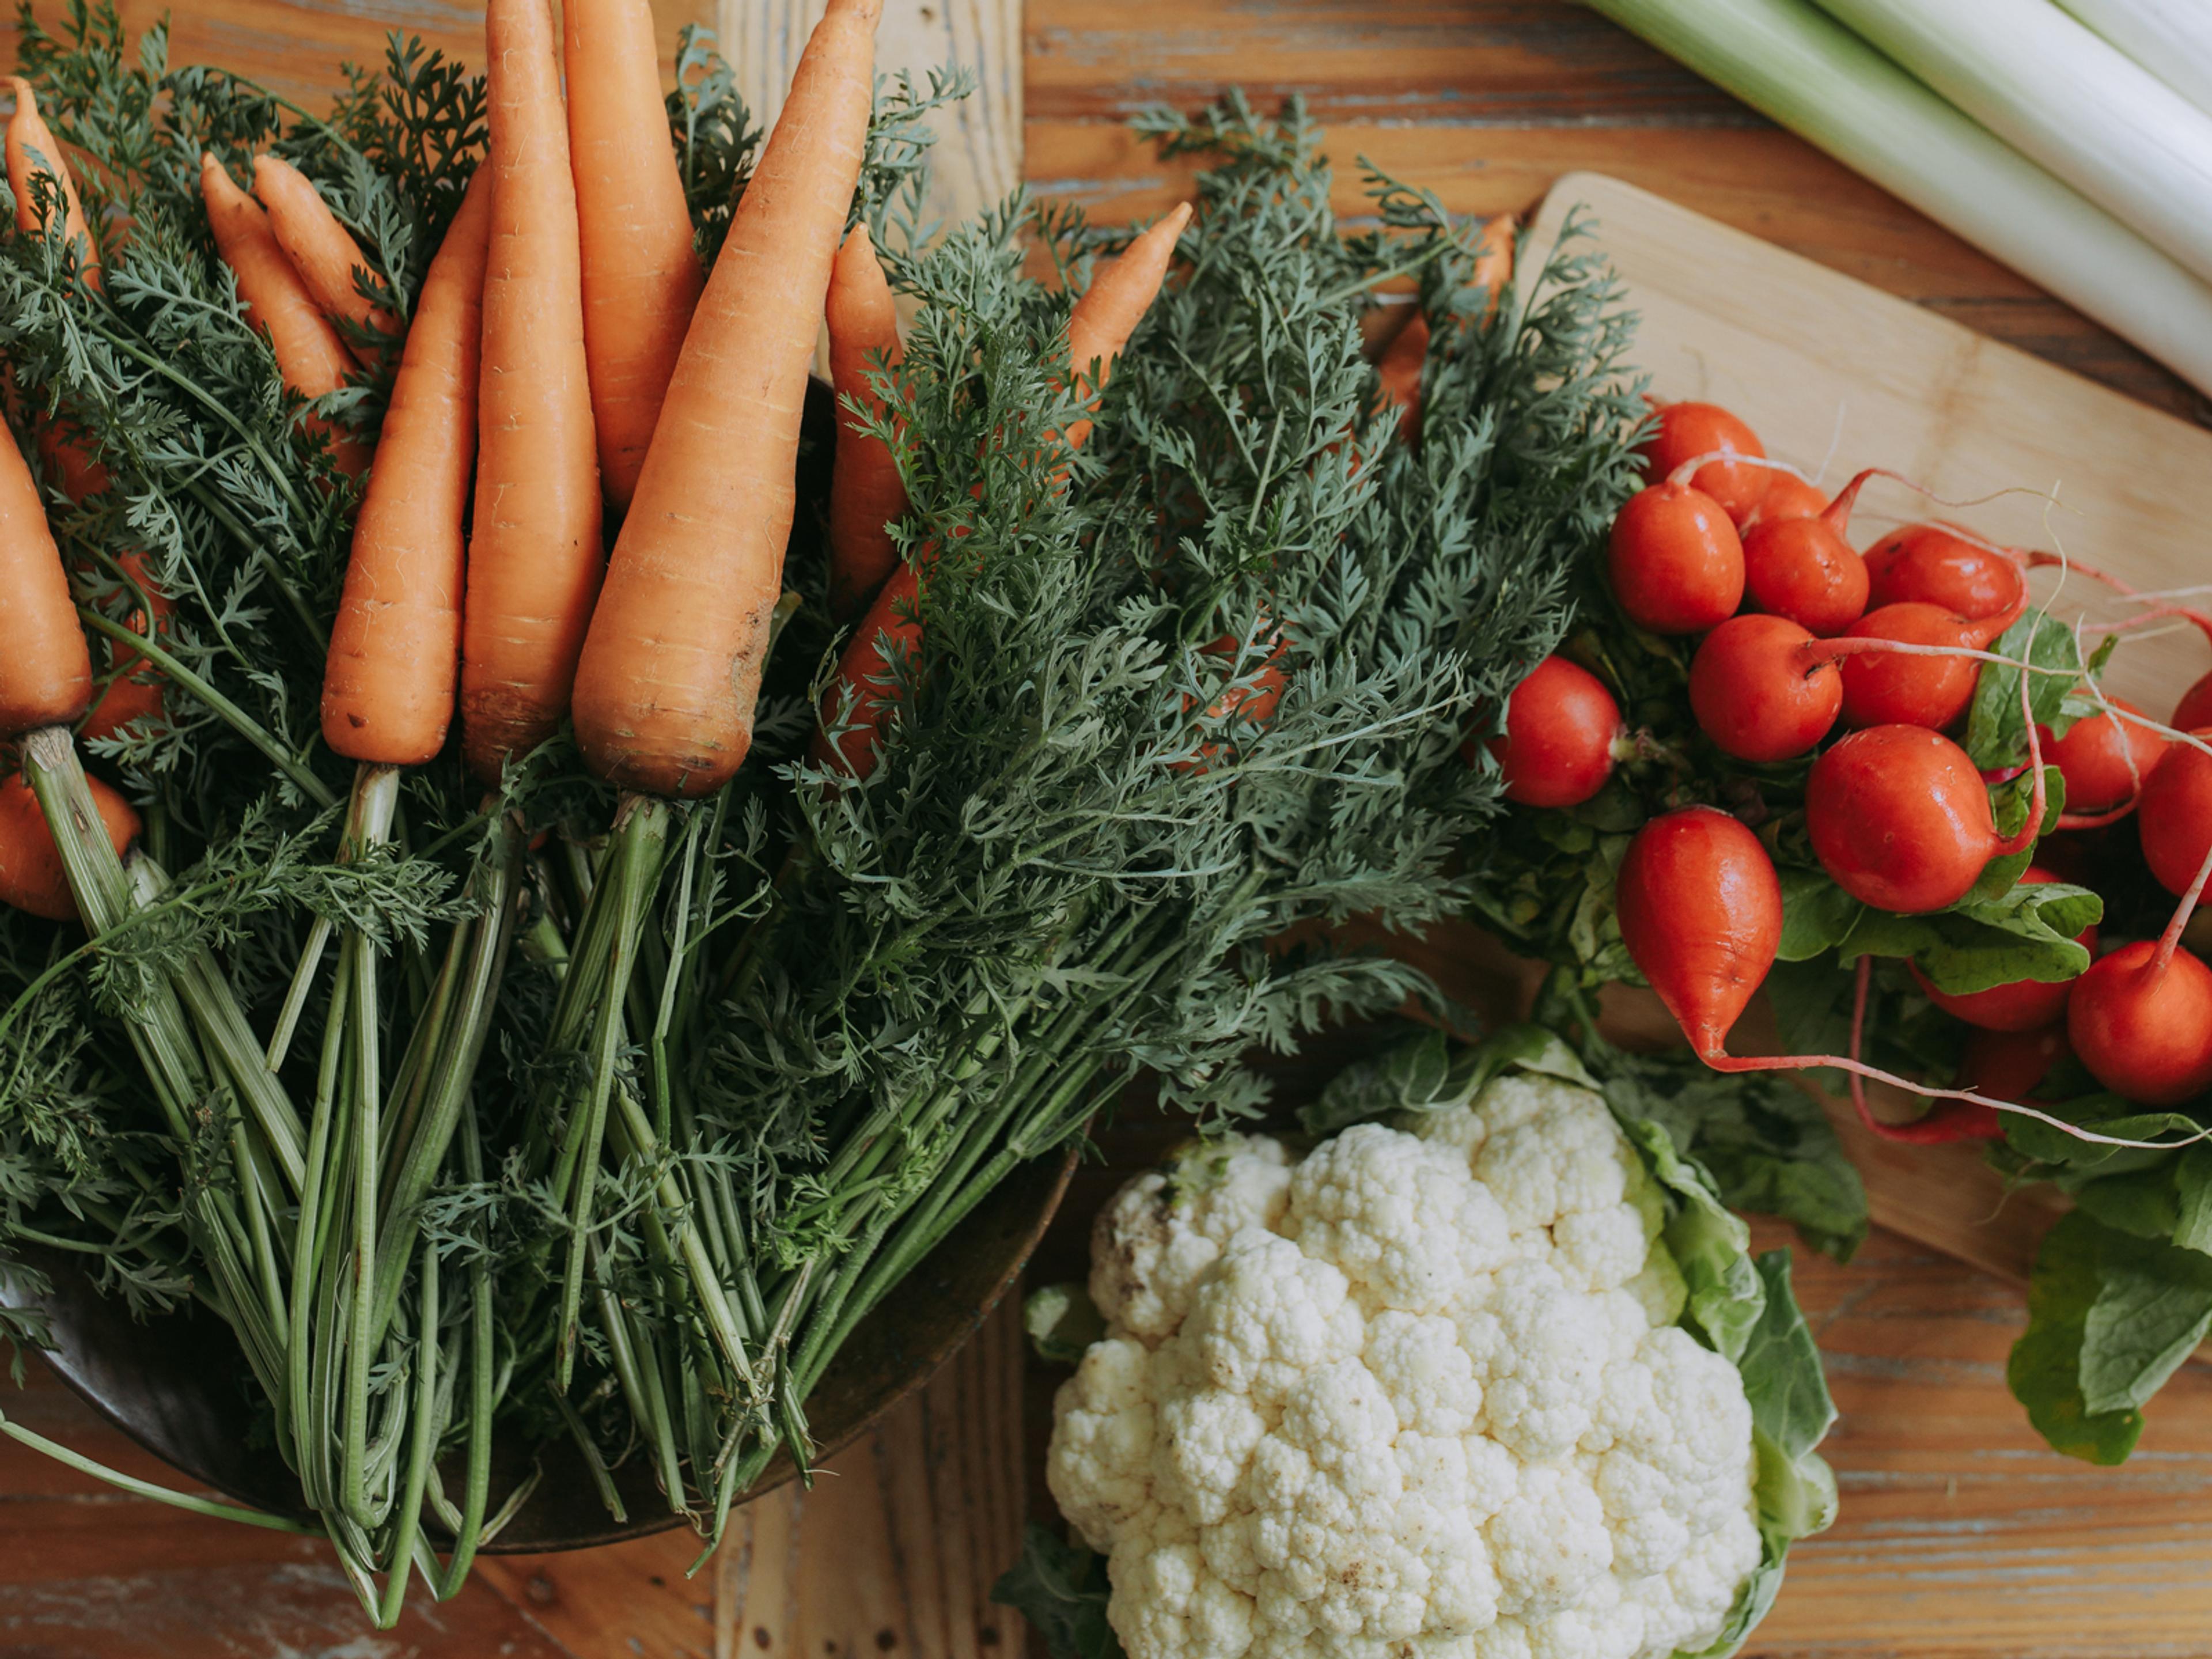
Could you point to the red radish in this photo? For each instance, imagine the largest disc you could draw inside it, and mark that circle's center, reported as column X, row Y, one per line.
column 1761, row 690
column 1675, row 559
column 1888, row 687
column 1700, row 911
column 2141, row 1021
column 1899, row 816
column 1685, row 431
column 1787, row 496
column 1802, row 568
column 2012, row 1064
column 2195, row 708
column 2173, row 815
column 2105, row 760
column 2024, row 1005
column 1930, row 564
column 1561, row 725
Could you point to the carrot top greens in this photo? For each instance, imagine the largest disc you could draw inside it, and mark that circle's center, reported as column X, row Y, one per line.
column 1200, row 684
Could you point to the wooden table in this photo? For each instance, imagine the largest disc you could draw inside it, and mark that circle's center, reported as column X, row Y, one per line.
column 1960, row 1533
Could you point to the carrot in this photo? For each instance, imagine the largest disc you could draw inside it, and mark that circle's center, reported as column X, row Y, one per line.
column 537, row 559
column 322, row 251
column 1098, row 328
column 641, row 275
column 134, row 689
column 1114, row 303
column 45, row 672
column 32, row 149
column 310, row 356
column 669, row 675
column 31, row 875
column 388, row 683
column 1400, row 370
column 866, row 491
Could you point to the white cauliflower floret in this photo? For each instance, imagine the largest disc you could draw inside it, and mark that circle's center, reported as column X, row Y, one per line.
column 1162, row 1231
column 1399, row 1217
column 1419, row 1396
column 1100, row 1466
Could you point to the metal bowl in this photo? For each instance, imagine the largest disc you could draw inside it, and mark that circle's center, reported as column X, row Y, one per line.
column 177, row 1384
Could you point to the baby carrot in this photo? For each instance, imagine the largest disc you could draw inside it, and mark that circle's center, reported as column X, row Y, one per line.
column 395, row 647
column 641, row 275
column 669, row 675
column 310, row 356
column 321, row 249
column 33, row 148
column 536, row 559
column 866, row 491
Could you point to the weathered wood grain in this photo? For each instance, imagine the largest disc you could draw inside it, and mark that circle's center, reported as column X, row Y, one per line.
column 977, row 159
column 1428, row 63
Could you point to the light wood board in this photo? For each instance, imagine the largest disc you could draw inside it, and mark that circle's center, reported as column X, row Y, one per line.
column 1835, row 375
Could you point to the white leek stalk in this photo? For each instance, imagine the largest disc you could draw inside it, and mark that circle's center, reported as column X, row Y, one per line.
column 2172, row 38
column 1788, row 60
column 2065, row 98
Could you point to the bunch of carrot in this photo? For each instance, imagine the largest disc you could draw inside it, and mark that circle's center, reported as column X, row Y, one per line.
column 567, row 363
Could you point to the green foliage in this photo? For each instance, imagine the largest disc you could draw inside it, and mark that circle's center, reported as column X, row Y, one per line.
column 1061, row 1588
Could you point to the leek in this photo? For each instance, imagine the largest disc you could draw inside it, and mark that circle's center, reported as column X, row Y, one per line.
column 2065, row 98
column 2172, row 38
column 1787, row 59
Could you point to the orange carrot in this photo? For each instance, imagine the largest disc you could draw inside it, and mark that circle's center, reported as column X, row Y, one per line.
column 310, row 356
column 892, row 627
column 321, row 249
column 641, row 275
column 31, row 875
column 33, row 148
column 1400, row 369
column 45, row 672
column 536, row 558
column 672, row 670
column 1493, row 259
column 135, row 688
column 395, row 647
column 1115, row 302
column 866, row 491
column 1097, row 328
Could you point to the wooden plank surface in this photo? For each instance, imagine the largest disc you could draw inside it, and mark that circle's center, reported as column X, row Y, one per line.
column 1960, row 1536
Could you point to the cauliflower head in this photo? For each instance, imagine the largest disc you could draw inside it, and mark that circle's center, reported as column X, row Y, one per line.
column 1420, row 1394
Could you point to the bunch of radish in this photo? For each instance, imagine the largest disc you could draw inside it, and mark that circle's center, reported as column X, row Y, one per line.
column 1825, row 690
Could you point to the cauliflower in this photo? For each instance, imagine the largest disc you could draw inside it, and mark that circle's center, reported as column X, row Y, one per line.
column 1419, row 1395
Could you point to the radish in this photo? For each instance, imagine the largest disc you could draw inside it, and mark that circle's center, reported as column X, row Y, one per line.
column 2173, row 815
column 1675, row 559
column 1803, row 569
column 1700, row 911
column 2141, row 1019
column 1899, row 819
column 2012, row 1064
column 2105, row 760
column 1561, row 737
column 1687, row 430
column 1762, row 689
column 1901, row 689
column 1787, row 496
column 1934, row 565
column 2024, row 1005
column 2195, row 708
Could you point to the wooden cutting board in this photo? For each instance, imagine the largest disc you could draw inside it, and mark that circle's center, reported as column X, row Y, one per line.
column 1836, row 375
